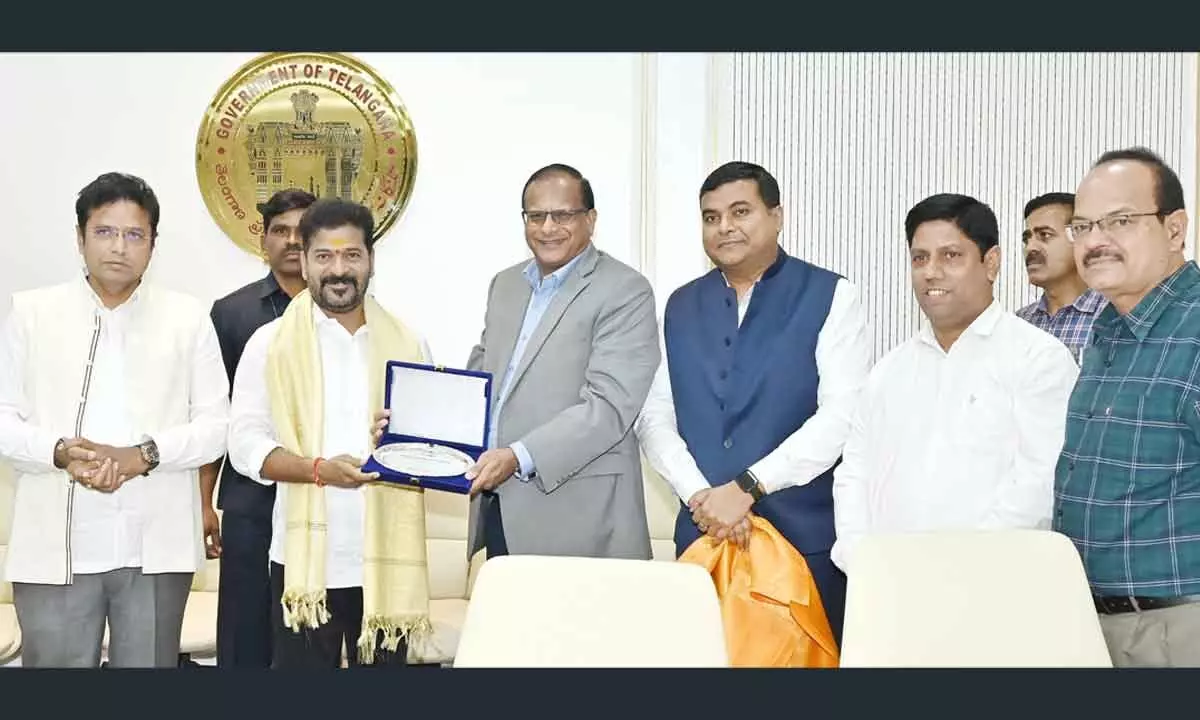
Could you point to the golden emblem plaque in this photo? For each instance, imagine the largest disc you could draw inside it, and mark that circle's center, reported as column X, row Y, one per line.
column 322, row 122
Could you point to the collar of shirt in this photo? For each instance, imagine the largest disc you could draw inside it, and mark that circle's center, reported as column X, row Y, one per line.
column 554, row 280
column 326, row 325
column 268, row 286
column 1143, row 316
column 121, row 309
column 983, row 325
column 1088, row 302
column 269, row 291
column 767, row 274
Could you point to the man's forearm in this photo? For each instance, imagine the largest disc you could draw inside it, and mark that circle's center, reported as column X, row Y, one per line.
column 283, row 466
column 208, row 482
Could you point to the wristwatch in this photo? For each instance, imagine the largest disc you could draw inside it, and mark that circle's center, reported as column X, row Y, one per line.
column 58, row 447
column 149, row 450
column 746, row 481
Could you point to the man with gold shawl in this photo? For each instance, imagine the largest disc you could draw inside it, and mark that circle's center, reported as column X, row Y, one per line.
column 348, row 566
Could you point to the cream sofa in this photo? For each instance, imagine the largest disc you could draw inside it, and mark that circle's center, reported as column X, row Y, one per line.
column 662, row 505
column 450, row 575
column 10, row 632
column 449, row 581
column 198, row 639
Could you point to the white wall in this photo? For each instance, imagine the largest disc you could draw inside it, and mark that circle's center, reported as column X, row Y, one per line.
column 679, row 154
column 856, row 139
column 484, row 122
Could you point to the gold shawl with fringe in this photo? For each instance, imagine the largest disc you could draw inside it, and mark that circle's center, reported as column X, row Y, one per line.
column 395, row 581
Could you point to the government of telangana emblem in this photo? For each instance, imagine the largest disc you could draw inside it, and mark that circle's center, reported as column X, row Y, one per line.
column 322, row 122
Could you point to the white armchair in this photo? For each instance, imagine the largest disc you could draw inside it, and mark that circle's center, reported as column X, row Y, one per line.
column 1016, row 598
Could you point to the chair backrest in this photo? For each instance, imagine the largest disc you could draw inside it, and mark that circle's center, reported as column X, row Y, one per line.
column 1013, row 598
column 535, row 611
column 662, row 506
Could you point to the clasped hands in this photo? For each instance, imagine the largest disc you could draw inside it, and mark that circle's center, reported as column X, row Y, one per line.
column 99, row 467
column 723, row 513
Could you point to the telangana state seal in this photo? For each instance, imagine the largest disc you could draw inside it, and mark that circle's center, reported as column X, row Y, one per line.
column 322, row 122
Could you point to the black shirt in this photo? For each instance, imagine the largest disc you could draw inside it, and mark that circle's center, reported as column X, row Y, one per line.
column 235, row 317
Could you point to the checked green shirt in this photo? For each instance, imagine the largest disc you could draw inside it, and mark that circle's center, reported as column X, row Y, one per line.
column 1127, row 484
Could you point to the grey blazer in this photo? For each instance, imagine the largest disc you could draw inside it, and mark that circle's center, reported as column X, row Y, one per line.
column 581, row 383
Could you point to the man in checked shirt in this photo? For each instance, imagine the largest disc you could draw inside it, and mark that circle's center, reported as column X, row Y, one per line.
column 1067, row 306
column 1127, row 485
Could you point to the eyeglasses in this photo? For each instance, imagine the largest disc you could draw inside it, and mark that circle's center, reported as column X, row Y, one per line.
column 106, row 232
column 1115, row 225
column 560, row 217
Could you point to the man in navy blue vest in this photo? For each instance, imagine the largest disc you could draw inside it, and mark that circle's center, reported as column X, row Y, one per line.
column 764, row 360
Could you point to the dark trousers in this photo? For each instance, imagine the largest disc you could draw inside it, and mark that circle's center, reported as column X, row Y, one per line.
column 492, row 525
column 244, row 595
column 322, row 647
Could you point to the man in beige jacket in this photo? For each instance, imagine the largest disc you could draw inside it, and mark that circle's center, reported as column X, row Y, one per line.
column 112, row 395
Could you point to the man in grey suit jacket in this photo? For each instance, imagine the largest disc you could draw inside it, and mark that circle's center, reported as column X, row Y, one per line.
column 571, row 340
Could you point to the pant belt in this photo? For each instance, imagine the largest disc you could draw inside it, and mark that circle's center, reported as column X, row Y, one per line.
column 1113, row 604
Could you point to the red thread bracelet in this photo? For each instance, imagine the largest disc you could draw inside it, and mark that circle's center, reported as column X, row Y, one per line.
column 316, row 475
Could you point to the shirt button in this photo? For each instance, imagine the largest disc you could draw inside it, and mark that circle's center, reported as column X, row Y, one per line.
column 728, row 443
column 728, row 342
column 722, row 406
column 1108, row 411
column 724, row 374
column 728, row 302
column 1071, row 465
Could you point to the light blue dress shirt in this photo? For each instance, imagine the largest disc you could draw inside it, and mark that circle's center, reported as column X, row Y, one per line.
column 544, row 290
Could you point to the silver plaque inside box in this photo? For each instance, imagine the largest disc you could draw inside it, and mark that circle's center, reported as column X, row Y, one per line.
column 423, row 459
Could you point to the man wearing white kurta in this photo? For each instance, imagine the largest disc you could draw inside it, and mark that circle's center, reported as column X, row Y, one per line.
column 344, row 323
column 112, row 395
column 960, row 426
column 345, row 369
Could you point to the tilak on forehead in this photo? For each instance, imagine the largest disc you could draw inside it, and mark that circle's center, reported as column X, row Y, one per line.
column 339, row 241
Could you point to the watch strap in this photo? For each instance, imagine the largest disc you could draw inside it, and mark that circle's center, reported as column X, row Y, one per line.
column 748, row 482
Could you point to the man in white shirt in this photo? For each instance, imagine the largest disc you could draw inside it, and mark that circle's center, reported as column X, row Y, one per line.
column 960, row 426
column 335, row 577
column 112, row 396
column 764, row 357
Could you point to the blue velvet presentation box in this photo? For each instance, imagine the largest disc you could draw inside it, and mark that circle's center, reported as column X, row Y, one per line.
column 438, row 427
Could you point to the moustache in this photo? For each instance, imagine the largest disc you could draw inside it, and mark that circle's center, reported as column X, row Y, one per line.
column 1035, row 256
column 331, row 279
column 1098, row 253
column 292, row 248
